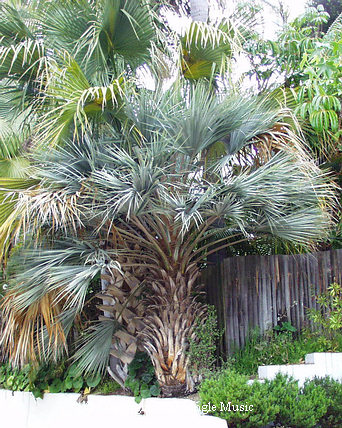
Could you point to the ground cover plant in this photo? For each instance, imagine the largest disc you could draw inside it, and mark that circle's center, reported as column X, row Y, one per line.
column 63, row 377
column 47, row 378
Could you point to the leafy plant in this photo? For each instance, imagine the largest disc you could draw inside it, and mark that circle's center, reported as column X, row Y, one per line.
column 141, row 379
column 280, row 348
column 14, row 379
column 59, row 380
column 202, row 348
column 285, row 327
column 329, row 315
column 47, row 378
column 332, row 7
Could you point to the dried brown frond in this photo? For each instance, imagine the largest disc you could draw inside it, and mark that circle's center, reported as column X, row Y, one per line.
column 24, row 330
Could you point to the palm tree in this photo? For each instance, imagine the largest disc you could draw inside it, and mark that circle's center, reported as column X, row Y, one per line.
column 134, row 186
column 65, row 64
column 145, row 208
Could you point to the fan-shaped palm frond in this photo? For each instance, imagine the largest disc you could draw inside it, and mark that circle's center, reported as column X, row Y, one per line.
column 207, row 49
column 93, row 352
column 102, row 33
column 75, row 102
column 13, row 163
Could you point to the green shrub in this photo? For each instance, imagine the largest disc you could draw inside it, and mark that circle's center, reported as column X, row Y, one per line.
column 279, row 401
column 46, row 378
column 300, row 408
column 107, row 386
column 333, row 415
column 228, row 386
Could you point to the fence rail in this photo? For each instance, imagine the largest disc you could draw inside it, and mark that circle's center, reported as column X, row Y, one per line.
column 254, row 291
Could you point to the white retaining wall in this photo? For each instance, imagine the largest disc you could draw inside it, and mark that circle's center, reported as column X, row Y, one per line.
column 318, row 364
column 22, row 410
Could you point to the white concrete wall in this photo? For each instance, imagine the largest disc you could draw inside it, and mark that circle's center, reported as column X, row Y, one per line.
column 22, row 410
column 318, row 364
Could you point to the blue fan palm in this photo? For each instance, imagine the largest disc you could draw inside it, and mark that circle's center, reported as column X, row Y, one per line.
column 153, row 203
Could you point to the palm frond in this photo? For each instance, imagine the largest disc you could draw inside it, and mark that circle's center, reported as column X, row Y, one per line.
column 75, row 103
column 207, row 49
column 51, row 289
column 15, row 23
column 121, row 28
column 94, row 347
column 11, row 216
column 22, row 330
column 23, row 61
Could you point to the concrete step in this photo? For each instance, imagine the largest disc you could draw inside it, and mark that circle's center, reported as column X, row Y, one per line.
column 318, row 364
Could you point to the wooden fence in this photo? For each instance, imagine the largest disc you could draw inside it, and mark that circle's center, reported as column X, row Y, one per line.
column 255, row 290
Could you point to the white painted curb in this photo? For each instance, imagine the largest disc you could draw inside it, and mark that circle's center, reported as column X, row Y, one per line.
column 318, row 364
column 22, row 410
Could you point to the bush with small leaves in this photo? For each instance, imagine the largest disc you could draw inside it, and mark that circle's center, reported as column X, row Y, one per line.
column 202, row 348
column 280, row 401
column 226, row 386
column 300, row 408
column 333, row 389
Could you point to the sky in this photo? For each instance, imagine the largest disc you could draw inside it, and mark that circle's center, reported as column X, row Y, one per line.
column 295, row 7
column 271, row 25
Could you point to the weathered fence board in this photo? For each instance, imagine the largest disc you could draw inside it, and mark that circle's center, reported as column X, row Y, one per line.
column 256, row 290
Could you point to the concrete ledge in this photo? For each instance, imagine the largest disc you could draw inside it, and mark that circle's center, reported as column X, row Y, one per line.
column 22, row 410
column 319, row 364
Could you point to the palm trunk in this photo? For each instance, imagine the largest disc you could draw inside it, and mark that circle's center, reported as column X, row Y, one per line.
column 199, row 10
column 163, row 319
column 119, row 296
column 170, row 322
